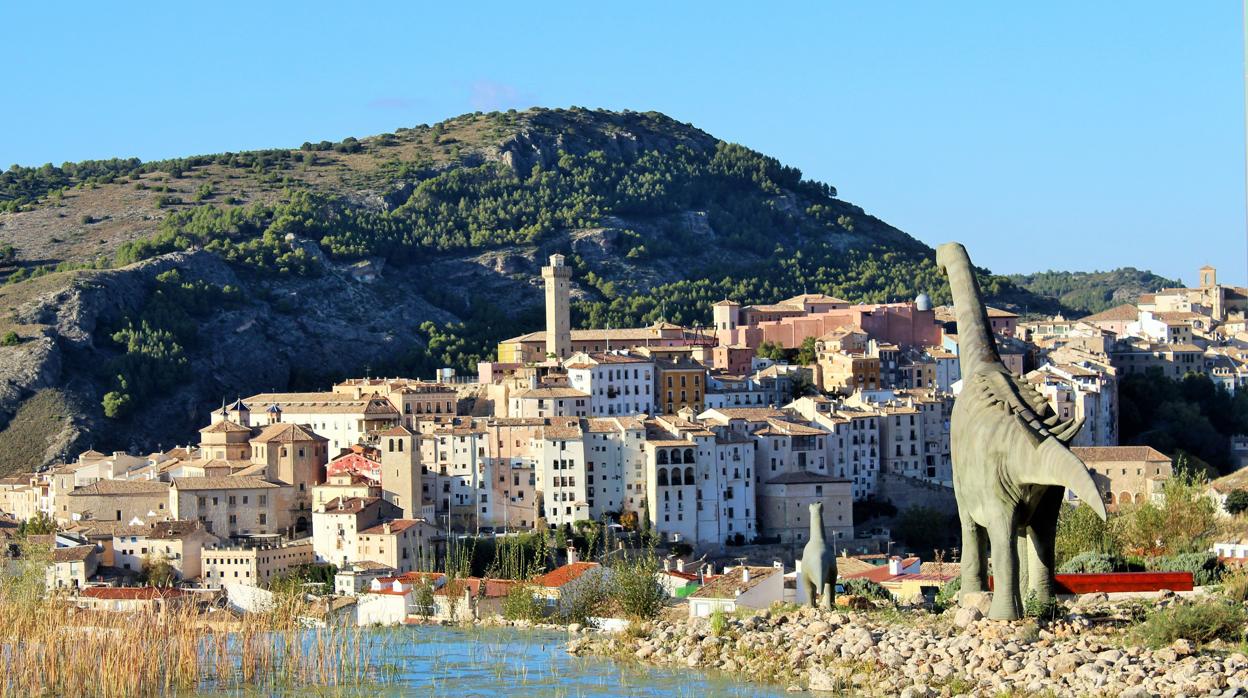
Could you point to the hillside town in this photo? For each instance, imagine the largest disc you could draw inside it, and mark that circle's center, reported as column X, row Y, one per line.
column 714, row 441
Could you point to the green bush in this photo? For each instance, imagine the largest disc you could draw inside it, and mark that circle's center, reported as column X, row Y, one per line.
column 947, row 597
column 1200, row 622
column 1205, row 567
column 522, row 604
column 10, row 339
column 718, row 622
column 1034, row 607
column 865, row 587
column 1087, row 563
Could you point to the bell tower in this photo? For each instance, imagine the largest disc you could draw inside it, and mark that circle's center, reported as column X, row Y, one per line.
column 558, row 318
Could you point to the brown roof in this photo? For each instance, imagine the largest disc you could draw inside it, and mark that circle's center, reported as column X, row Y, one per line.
column 224, row 426
column 558, row 433
column 287, row 434
column 396, row 526
column 562, row 575
column 729, row 584
column 849, row 566
column 228, row 482
column 1118, row 313
column 803, row 477
column 349, row 505
column 548, row 393
column 130, row 593
column 76, row 553
column 121, row 488
column 399, row 430
column 1115, row 454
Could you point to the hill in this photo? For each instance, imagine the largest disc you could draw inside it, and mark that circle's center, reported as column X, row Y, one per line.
column 141, row 294
column 1091, row 292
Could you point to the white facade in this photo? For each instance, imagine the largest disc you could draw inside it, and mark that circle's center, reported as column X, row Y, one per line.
column 617, row 383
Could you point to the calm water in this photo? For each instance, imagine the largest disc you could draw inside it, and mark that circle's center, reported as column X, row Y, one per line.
column 438, row 661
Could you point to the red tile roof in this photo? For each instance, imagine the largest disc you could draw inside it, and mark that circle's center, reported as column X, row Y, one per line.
column 130, row 593
column 562, row 575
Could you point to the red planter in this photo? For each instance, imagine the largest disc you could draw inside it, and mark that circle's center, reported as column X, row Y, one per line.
column 1121, row 581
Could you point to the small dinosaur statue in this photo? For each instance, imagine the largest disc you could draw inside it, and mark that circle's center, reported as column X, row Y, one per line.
column 818, row 563
column 1011, row 463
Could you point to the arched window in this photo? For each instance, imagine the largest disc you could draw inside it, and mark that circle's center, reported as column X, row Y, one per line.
column 676, row 455
column 390, row 445
column 676, row 477
column 400, row 445
column 662, row 477
column 689, row 476
column 661, row 458
column 689, row 455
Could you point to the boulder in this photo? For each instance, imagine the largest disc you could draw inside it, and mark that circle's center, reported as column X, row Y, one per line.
column 966, row 616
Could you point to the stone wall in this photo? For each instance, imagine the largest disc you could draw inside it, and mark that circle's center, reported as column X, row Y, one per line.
column 904, row 492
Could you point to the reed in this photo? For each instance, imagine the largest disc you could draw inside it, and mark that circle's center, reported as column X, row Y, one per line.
column 50, row 647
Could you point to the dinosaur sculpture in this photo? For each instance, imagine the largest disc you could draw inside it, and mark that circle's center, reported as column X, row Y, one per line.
column 818, row 563
column 1010, row 460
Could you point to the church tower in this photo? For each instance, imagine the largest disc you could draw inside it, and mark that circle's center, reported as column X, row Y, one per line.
column 558, row 318
column 400, row 470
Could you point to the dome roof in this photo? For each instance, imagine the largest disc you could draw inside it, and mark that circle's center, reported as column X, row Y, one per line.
column 923, row 302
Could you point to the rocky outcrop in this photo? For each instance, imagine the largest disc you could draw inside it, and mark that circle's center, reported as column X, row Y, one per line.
column 863, row 654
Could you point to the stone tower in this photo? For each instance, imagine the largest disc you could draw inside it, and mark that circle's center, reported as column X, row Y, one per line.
column 400, row 470
column 558, row 319
column 726, row 314
column 1208, row 277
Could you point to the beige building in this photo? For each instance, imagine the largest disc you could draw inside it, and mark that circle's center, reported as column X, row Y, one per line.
column 846, row 373
column 128, row 501
column 414, row 399
column 784, row 502
column 70, row 568
column 536, row 403
column 254, row 566
column 1126, row 475
column 336, row 528
column 292, row 455
column 234, row 506
column 180, row 543
column 406, row 545
column 339, row 417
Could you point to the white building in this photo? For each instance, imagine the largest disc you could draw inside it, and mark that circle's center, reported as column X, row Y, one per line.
column 618, row 383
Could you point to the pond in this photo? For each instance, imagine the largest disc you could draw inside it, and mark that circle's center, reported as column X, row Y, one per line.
column 463, row 662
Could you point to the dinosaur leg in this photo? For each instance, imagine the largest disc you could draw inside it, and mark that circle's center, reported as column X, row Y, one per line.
column 809, row 585
column 1005, row 600
column 829, row 592
column 974, row 556
column 1024, row 555
column 1042, row 534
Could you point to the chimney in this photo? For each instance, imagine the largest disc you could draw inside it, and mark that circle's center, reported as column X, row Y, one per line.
column 386, row 527
column 572, row 556
column 745, row 574
column 894, row 565
column 667, row 564
column 680, row 564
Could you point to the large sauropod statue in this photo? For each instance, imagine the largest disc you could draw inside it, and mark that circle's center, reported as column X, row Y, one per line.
column 818, row 563
column 1011, row 463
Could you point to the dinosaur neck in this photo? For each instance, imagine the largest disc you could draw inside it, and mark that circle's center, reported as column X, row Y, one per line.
column 976, row 345
column 816, row 528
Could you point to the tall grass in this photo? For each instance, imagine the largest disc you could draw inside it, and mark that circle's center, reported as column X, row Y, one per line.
column 50, row 647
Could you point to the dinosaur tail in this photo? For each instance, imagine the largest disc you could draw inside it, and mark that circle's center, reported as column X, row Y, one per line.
column 976, row 345
column 1056, row 465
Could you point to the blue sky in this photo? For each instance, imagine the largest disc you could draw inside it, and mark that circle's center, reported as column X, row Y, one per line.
column 1065, row 135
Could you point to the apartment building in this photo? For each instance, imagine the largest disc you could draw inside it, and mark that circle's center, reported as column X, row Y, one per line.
column 618, row 383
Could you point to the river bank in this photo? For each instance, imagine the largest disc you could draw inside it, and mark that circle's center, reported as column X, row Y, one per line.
column 1087, row 652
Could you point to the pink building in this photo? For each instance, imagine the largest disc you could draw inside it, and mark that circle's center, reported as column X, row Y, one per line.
column 903, row 324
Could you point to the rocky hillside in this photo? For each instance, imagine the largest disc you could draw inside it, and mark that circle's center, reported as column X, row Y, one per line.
column 141, row 294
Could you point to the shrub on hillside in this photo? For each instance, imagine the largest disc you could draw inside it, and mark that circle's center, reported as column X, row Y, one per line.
column 1201, row 622
column 1087, row 563
column 866, row 587
column 1205, row 567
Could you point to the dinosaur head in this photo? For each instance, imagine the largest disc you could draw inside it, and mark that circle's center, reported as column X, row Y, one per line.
column 1054, row 464
column 950, row 253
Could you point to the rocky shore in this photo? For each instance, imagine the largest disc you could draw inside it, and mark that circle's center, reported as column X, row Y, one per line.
column 915, row 653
